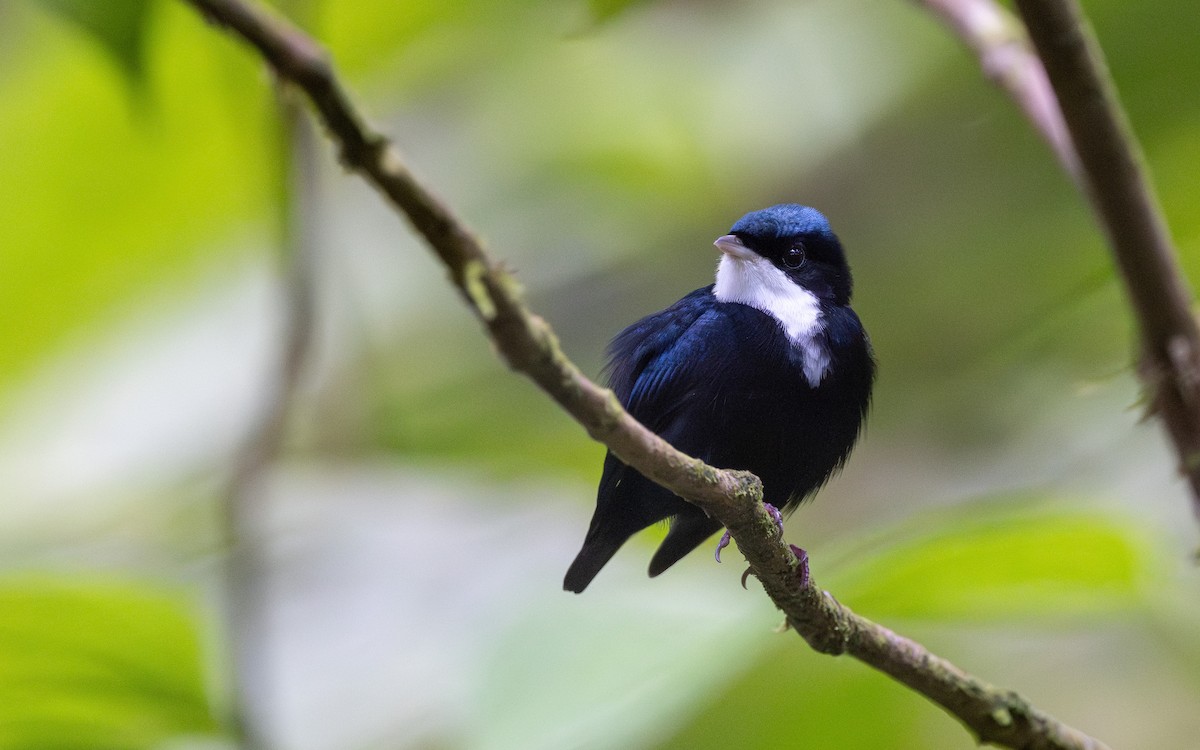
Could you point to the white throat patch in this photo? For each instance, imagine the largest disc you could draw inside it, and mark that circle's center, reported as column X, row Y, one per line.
column 758, row 283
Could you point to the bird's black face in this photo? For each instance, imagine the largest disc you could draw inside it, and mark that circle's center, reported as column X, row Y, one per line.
column 799, row 242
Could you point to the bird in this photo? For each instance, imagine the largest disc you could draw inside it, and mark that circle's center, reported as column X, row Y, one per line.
column 767, row 370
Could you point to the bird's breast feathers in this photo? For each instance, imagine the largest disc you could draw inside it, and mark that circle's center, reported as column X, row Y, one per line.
column 761, row 285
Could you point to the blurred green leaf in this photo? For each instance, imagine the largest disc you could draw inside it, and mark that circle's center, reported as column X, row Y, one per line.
column 616, row 682
column 606, row 10
column 98, row 207
column 97, row 666
column 432, row 40
column 1003, row 568
column 471, row 414
column 119, row 26
column 794, row 697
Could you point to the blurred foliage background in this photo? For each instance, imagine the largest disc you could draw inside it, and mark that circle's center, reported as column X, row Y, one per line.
column 1008, row 507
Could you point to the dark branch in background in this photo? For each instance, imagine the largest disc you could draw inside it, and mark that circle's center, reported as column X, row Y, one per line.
column 529, row 346
column 246, row 569
column 1069, row 98
column 1127, row 208
column 1008, row 61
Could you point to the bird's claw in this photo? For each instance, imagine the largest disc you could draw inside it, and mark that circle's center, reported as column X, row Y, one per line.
column 776, row 515
column 802, row 567
column 725, row 539
column 801, row 555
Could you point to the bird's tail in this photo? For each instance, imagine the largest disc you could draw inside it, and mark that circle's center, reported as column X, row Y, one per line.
column 688, row 531
column 626, row 503
column 597, row 550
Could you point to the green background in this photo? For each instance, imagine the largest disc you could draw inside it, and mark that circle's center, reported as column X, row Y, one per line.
column 1009, row 507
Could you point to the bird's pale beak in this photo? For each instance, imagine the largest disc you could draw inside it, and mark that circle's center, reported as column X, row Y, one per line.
column 731, row 245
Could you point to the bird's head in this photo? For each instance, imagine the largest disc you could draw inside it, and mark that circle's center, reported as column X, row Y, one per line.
column 786, row 243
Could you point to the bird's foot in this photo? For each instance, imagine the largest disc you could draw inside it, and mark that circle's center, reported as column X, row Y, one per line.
column 775, row 514
column 801, row 555
column 802, row 568
column 746, row 574
column 725, row 539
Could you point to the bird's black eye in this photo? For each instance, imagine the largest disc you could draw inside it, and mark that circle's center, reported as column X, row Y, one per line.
column 793, row 257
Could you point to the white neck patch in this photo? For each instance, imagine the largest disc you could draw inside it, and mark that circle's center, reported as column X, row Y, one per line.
column 758, row 283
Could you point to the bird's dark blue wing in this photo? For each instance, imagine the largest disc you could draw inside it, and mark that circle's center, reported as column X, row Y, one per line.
column 647, row 366
column 647, row 371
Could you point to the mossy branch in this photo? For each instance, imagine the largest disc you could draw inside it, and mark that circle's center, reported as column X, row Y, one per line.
column 529, row 346
column 1127, row 209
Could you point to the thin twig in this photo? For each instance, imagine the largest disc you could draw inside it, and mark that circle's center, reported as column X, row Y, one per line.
column 1007, row 60
column 1127, row 208
column 527, row 343
column 247, row 575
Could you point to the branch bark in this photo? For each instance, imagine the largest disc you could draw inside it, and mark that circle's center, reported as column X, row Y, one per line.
column 529, row 346
column 1069, row 98
column 1128, row 210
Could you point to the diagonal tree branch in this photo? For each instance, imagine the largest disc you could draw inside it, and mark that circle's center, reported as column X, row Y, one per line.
column 1128, row 210
column 527, row 343
column 1069, row 98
